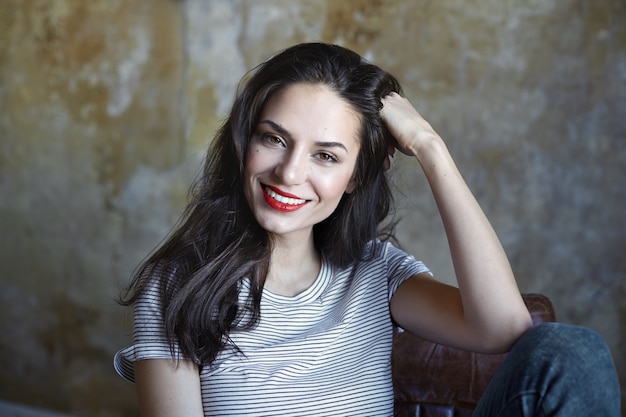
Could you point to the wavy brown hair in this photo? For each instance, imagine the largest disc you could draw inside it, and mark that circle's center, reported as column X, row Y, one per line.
column 217, row 241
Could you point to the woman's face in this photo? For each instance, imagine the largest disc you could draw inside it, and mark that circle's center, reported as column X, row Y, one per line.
column 301, row 158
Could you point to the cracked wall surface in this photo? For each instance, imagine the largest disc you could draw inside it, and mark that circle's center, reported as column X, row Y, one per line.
column 107, row 106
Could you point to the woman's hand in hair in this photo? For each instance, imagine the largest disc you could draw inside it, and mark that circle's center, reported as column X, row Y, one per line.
column 410, row 130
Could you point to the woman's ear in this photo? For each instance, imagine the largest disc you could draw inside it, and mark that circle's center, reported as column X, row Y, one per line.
column 351, row 184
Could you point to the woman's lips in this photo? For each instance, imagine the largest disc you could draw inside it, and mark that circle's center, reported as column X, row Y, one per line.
column 280, row 200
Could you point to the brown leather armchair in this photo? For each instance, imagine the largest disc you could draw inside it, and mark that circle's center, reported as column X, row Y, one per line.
column 432, row 380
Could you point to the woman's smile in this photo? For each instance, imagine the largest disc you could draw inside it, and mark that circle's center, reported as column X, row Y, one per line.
column 282, row 201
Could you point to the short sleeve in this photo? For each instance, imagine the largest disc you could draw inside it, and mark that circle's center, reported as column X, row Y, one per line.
column 401, row 266
column 149, row 340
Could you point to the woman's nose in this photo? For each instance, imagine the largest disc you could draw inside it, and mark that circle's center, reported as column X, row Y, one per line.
column 292, row 169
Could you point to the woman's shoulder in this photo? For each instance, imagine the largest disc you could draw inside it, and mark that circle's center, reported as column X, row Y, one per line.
column 392, row 255
column 382, row 249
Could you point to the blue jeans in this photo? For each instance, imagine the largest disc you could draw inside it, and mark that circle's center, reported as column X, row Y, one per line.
column 554, row 369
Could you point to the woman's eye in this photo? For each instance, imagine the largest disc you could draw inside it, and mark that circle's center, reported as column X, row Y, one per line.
column 273, row 139
column 326, row 157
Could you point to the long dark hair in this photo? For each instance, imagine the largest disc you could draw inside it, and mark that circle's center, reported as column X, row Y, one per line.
column 218, row 242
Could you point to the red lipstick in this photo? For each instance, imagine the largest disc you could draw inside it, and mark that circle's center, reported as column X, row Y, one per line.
column 288, row 202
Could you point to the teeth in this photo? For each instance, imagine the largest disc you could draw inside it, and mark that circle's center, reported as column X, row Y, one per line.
column 284, row 200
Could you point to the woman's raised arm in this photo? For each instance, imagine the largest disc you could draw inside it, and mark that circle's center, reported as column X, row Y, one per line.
column 486, row 313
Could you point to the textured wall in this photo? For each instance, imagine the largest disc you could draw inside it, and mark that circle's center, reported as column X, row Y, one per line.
column 106, row 107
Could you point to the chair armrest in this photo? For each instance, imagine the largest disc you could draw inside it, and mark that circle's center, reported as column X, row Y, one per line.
column 430, row 375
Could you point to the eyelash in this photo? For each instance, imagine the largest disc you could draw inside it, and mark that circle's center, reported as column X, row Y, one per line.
column 275, row 140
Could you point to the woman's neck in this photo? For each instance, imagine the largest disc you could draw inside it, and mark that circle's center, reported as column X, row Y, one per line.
column 294, row 266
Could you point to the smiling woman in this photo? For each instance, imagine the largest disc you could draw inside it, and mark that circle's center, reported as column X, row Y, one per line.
column 276, row 283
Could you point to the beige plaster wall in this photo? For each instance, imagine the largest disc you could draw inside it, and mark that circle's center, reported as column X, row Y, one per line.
column 106, row 107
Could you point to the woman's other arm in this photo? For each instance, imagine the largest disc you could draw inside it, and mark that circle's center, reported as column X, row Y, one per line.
column 166, row 388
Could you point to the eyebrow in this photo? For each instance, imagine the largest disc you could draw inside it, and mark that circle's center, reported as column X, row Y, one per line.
column 280, row 129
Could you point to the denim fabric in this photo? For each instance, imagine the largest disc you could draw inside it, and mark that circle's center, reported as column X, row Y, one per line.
column 555, row 369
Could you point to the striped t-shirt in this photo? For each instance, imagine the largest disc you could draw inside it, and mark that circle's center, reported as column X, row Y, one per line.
column 324, row 352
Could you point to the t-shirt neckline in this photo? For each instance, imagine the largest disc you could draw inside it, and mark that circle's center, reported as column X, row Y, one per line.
column 309, row 295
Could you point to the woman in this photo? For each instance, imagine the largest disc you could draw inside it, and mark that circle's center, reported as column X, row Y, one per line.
column 274, row 294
